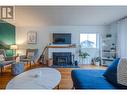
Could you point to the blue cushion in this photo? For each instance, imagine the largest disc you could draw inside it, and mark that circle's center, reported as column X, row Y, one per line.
column 90, row 79
column 111, row 73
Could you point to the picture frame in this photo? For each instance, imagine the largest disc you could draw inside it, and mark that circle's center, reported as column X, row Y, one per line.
column 31, row 37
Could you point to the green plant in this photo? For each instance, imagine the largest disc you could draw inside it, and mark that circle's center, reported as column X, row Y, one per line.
column 109, row 35
column 83, row 55
column 97, row 59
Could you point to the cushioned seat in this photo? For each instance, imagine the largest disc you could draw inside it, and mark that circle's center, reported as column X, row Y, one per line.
column 90, row 79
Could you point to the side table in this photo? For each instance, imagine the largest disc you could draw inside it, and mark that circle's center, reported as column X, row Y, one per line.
column 17, row 68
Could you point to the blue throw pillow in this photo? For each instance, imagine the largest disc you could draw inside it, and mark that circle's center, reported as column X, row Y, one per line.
column 111, row 73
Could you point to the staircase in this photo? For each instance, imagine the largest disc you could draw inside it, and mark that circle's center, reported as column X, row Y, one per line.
column 42, row 58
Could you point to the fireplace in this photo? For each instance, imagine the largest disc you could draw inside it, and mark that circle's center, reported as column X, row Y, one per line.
column 62, row 58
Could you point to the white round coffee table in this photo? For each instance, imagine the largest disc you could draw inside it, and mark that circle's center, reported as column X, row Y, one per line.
column 40, row 78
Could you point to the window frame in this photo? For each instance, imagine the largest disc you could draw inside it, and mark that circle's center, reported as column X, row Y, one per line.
column 97, row 40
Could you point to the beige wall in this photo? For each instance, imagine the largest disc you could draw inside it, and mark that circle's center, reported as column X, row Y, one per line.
column 44, row 36
column 21, row 38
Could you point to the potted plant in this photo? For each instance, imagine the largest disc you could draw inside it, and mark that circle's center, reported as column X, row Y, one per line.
column 96, row 61
column 108, row 35
column 83, row 55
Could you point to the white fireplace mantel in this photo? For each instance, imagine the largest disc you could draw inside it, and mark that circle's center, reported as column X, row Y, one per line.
column 61, row 48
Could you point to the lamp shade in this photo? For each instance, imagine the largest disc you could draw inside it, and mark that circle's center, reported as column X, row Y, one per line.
column 14, row 47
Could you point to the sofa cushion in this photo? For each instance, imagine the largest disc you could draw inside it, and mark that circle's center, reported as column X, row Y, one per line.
column 90, row 79
column 111, row 73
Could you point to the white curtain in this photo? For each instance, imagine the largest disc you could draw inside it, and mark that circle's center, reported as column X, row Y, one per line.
column 122, row 51
column 122, row 38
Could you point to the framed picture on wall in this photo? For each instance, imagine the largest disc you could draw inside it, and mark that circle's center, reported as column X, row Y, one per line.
column 31, row 37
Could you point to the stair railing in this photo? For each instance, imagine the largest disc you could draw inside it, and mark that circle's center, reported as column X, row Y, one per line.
column 42, row 58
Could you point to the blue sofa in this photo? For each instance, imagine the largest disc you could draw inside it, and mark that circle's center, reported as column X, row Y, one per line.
column 90, row 79
column 97, row 79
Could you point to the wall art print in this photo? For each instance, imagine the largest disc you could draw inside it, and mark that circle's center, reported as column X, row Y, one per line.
column 31, row 37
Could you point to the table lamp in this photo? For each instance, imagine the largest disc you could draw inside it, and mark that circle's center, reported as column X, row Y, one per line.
column 14, row 48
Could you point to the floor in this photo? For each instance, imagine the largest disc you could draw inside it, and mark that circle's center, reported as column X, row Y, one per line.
column 66, row 82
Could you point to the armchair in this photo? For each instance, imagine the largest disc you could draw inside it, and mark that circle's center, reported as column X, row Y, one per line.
column 4, row 60
column 31, row 55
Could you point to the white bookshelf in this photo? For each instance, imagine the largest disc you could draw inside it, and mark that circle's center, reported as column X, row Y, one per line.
column 108, row 51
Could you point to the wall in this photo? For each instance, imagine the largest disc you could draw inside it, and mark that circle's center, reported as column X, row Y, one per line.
column 44, row 36
column 21, row 38
column 113, row 31
column 114, row 38
column 120, row 28
column 75, row 31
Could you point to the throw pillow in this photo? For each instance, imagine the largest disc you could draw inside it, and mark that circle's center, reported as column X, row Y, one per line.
column 111, row 73
column 122, row 72
column 2, row 57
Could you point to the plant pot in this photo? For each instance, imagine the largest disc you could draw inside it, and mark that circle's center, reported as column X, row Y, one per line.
column 50, row 62
column 97, row 63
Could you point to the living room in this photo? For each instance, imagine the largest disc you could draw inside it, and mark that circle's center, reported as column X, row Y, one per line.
column 65, row 43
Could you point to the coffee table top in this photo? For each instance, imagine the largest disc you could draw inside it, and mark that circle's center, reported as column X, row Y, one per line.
column 39, row 78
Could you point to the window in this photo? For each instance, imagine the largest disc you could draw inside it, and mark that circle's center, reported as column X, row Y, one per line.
column 88, row 40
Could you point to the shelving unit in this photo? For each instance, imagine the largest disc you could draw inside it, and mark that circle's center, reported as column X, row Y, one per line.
column 108, row 51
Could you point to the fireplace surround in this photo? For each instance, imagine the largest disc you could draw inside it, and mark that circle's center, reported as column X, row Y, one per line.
column 62, row 58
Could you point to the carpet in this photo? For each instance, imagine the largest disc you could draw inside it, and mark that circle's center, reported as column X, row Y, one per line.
column 64, row 66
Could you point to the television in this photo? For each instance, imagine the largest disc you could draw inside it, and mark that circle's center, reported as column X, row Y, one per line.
column 61, row 38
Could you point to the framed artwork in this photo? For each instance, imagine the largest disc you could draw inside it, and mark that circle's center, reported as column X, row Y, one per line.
column 31, row 37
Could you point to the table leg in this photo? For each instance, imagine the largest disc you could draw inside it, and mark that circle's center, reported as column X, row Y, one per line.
column 58, row 86
column 34, row 63
column 73, row 87
column 27, row 63
column 30, row 64
column 1, row 70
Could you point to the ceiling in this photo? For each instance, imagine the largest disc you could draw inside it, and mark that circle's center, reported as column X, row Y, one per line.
column 67, row 15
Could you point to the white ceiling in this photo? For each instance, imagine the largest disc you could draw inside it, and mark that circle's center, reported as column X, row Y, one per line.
column 67, row 15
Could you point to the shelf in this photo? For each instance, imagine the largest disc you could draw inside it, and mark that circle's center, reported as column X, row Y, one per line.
column 108, row 59
column 62, row 46
column 109, row 52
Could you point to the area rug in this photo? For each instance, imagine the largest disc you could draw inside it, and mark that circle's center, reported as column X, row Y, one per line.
column 65, row 66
